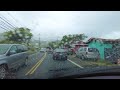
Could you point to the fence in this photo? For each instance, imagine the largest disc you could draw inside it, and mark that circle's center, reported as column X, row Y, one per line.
column 112, row 54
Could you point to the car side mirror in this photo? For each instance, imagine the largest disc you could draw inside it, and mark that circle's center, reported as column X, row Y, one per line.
column 11, row 52
column 8, row 54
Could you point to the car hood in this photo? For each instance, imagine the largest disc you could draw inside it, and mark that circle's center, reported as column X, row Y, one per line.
column 77, row 72
column 93, row 71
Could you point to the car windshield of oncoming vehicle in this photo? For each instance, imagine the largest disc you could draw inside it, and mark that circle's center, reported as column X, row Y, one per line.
column 3, row 49
column 51, row 44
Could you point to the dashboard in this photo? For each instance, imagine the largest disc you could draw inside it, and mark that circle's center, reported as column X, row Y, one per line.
column 101, row 77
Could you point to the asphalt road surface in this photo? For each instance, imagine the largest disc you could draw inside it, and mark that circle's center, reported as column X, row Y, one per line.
column 42, row 66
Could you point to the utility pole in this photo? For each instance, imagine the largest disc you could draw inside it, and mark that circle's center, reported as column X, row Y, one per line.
column 39, row 40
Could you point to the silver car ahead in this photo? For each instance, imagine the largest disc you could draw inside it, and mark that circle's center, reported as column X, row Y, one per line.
column 12, row 56
column 88, row 53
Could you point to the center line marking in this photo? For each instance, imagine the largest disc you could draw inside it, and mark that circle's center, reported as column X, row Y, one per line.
column 33, row 68
column 38, row 65
column 75, row 64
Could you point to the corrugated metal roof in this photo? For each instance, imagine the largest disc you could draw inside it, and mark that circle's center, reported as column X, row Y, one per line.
column 104, row 40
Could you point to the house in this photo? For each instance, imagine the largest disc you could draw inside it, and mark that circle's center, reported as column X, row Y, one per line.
column 102, row 45
column 77, row 44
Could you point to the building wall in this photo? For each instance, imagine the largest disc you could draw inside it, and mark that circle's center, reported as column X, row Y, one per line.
column 100, row 46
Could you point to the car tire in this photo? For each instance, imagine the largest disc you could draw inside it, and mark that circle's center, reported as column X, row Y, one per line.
column 3, row 71
column 82, row 57
column 65, row 58
column 26, row 62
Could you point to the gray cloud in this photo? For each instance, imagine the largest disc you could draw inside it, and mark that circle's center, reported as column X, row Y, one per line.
column 54, row 24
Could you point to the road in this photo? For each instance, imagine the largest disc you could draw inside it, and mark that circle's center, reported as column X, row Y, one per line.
column 42, row 66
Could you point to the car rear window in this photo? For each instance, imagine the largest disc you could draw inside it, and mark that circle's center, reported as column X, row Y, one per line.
column 91, row 50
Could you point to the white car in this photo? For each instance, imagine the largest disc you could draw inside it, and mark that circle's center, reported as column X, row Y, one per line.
column 43, row 50
column 88, row 53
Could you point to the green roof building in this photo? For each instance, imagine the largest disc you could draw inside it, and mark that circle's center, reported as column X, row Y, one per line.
column 101, row 44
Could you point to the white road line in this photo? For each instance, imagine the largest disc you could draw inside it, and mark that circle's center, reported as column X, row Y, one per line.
column 75, row 63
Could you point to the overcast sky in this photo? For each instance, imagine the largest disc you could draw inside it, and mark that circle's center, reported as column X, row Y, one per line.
column 54, row 24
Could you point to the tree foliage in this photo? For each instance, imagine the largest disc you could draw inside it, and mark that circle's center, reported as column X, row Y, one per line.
column 19, row 35
column 67, row 39
column 75, row 37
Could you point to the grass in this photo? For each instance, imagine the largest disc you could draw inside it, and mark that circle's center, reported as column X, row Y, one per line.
column 102, row 63
column 31, row 52
column 92, row 62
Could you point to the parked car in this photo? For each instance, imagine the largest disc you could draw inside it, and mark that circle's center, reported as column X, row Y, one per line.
column 59, row 54
column 12, row 56
column 88, row 53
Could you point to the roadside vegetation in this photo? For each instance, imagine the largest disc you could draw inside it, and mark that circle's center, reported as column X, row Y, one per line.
column 90, row 63
column 19, row 36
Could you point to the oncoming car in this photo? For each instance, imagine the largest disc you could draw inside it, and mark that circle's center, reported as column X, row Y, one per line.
column 12, row 56
column 43, row 50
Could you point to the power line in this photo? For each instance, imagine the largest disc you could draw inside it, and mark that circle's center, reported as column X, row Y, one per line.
column 6, row 28
column 4, row 24
column 14, row 18
column 4, row 19
column 3, row 28
column 9, row 21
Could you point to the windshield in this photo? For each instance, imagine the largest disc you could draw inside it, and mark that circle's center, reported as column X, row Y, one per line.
column 58, row 43
column 3, row 49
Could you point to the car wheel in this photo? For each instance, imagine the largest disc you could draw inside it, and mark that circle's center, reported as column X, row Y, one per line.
column 65, row 58
column 26, row 62
column 82, row 57
column 3, row 72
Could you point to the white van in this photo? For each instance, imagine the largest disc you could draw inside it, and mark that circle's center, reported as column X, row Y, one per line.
column 88, row 53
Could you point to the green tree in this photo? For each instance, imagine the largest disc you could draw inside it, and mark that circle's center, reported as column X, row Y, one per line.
column 19, row 35
column 51, row 44
column 75, row 37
